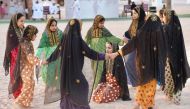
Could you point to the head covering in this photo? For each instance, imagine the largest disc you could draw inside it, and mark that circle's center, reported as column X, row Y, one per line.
column 136, row 24
column 27, row 36
column 110, row 62
column 52, row 36
column 73, row 82
column 115, row 46
column 151, row 51
column 174, row 36
column 14, row 35
column 96, row 32
column 29, row 32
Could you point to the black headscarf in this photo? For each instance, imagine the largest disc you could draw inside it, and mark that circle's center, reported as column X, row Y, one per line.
column 150, row 46
column 151, row 52
column 136, row 24
column 27, row 37
column 176, row 50
column 72, row 51
column 118, row 70
column 14, row 35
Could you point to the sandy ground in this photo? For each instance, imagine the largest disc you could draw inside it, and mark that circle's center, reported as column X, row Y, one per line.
column 117, row 28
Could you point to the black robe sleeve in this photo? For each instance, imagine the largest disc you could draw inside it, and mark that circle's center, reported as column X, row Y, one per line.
column 91, row 53
column 130, row 46
column 56, row 53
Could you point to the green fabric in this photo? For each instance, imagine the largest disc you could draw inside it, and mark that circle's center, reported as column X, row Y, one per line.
column 53, row 73
column 98, row 44
column 43, row 52
column 44, row 41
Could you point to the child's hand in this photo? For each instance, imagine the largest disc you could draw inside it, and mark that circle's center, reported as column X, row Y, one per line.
column 44, row 62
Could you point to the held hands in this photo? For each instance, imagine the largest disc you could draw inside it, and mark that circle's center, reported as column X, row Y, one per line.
column 44, row 62
column 111, row 55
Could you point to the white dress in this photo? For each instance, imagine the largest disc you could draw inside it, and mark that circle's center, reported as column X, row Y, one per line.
column 76, row 9
column 53, row 9
column 37, row 11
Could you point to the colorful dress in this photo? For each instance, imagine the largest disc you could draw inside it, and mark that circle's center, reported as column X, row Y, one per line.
column 130, row 62
column 73, row 84
column 47, row 45
column 13, row 39
column 51, row 72
column 27, row 62
column 149, row 44
column 96, row 39
column 177, row 69
column 113, row 82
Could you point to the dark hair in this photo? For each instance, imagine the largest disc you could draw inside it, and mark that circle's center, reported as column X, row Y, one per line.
column 19, row 15
column 51, row 21
column 29, row 32
column 115, row 46
column 102, row 19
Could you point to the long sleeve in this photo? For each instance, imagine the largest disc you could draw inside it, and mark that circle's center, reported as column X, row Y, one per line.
column 111, row 38
column 114, row 39
column 29, row 52
column 129, row 47
column 91, row 53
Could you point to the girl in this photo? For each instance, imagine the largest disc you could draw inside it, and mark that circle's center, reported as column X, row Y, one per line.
column 51, row 37
column 150, row 58
column 24, row 70
column 74, row 86
column 96, row 38
column 177, row 68
column 113, row 83
column 14, row 35
column 138, row 19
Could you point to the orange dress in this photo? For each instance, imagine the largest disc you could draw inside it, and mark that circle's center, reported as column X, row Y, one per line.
column 27, row 62
column 145, row 94
column 113, row 93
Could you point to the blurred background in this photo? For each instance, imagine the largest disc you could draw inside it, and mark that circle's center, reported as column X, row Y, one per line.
column 64, row 9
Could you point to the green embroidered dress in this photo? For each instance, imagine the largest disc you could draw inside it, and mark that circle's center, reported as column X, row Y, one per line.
column 48, row 44
column 96, row 39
